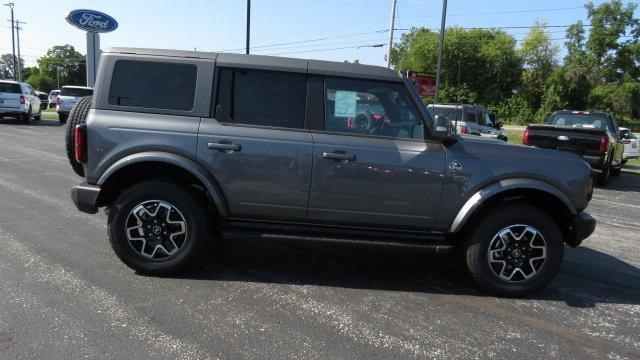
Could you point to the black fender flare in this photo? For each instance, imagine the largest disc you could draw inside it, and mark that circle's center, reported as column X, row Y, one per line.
column 207, row 180
column 481, row 196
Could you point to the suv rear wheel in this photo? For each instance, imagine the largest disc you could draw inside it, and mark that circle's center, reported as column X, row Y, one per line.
column 77, row 116
column 158, row 227
column 514, row 251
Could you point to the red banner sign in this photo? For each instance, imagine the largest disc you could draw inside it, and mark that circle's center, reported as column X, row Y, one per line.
column 426, row 84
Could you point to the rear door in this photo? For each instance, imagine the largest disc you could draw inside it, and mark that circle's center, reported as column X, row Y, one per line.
column 10, row 95
column 256, row 146
column 371, row 164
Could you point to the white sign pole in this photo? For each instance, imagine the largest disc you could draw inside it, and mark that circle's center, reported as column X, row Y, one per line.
column 93, row 57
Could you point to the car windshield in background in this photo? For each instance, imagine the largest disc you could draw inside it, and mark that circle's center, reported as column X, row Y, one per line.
column 586, row 121
column 10, row 88
column 627, row 134
column 453, row 114
column 76, row 92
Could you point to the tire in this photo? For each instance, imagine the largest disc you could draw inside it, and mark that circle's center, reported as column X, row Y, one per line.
column 62, row 118
column 77, row 116
column 484, row 238
column 39, row 116
column 189, row 208
column 602, row 179
column 26, row 118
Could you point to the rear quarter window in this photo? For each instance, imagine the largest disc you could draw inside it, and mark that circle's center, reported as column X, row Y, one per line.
column 153, row 85
column 10, row 88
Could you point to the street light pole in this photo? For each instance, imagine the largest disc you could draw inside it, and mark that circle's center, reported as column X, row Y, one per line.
column 13, row 41
column 440, row 48
column 248, row 24
column 393, row 22
column 18, row 28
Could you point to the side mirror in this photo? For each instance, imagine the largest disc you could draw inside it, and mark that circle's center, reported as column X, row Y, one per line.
column 442, row 128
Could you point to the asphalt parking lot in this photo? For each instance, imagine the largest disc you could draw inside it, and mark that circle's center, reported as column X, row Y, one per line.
column 64, row 294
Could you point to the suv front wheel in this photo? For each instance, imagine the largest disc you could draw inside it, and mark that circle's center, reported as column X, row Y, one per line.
column 158, row 227
column 515, row 250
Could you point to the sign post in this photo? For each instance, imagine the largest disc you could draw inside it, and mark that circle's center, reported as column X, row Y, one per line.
column 94, row 23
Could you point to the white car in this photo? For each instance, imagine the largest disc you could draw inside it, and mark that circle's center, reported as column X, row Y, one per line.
column 19, row 100
column 631, row 144
column 69, row 96
column 53, row 95
column 469, row 119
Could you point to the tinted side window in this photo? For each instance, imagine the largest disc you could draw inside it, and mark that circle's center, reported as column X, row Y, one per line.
column 263, row 98
column 369, row 108
column 471, row 115
column 154, row 85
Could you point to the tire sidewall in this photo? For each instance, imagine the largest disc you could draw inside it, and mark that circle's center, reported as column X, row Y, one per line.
column 178, row 197
column 477, row 252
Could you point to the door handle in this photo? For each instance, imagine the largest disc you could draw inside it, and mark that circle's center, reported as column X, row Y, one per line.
column 339, row 156
column 226, row 147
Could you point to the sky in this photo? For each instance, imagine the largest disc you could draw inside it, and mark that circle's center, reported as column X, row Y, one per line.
column 315, row 29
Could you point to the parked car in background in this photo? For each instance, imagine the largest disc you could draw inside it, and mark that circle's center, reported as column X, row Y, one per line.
column 44, row 99
column 19, row 100
column 470, row 119
column 631, row 145
column 593, row 135
column 68, row 97
column 243, row 144
column 53, row 95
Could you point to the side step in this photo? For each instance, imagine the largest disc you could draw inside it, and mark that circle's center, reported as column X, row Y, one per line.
column 431, row 242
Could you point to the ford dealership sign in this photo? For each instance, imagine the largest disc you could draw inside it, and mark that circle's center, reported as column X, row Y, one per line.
column 91, row 20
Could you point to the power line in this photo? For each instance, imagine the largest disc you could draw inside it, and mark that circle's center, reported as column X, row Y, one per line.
column 498, row 12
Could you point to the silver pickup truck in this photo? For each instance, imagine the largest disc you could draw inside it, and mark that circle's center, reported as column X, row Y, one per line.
column 183, row 148
column 68, row 97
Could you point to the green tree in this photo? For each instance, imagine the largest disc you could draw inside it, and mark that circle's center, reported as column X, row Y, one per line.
column 63, row 61
column 540, row 59
column 484, row 62
column 39, row 80
column 6, row 66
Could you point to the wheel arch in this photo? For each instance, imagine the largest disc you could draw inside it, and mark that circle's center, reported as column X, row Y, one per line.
column 138, row 167
column 535, row 192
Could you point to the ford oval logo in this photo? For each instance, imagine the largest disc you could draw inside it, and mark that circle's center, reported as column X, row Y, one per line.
column 563, row 138
column 91, row 20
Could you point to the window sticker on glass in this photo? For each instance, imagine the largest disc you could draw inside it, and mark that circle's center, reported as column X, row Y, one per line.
column 345, row 104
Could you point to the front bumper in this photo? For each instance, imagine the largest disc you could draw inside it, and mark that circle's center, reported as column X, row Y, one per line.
column 85, row 197
column 584, row 225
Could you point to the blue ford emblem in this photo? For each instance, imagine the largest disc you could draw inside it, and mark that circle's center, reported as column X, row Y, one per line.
column 91, row 20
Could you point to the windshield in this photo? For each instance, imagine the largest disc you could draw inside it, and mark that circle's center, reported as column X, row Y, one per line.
column 627, row 134
column 76, row 92
column 10, row 88
column 586, row 121
column 451, row 113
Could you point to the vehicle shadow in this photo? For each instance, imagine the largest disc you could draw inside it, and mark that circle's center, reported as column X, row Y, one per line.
column 624, row 182
column 588, row 277
column 32, row 123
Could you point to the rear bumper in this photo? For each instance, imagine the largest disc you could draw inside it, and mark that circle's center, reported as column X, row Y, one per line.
column 85, row 197
column 584, row 225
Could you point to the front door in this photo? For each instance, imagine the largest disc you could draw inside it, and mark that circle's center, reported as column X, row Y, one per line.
column 256, row 146
column 371, row 165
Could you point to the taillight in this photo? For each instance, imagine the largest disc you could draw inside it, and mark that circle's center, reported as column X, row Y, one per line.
column 604, row 143
column 22, row 100
column 58, row 100
column 81, row 143
column 525, row 137
column 464, row 129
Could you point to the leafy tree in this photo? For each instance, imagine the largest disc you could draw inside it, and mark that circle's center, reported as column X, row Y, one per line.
column 483, row 61
column 67, row 61
column 540, row 59
column 6, row 66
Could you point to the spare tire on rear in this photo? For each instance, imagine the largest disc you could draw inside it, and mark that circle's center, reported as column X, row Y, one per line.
column 77, row 116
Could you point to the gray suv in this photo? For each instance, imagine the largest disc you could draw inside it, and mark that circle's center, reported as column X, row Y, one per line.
column 183, row 148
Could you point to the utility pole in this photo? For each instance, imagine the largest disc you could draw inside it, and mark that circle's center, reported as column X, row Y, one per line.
column 58, row 76
column 392, row 25
column 248, row 24
column 440, row 48
column 13, row 41
column 18, row 28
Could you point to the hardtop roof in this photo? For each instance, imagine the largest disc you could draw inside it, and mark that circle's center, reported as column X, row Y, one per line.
column 317, row 67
